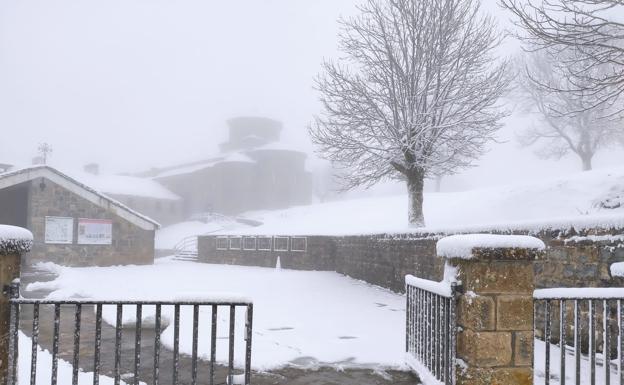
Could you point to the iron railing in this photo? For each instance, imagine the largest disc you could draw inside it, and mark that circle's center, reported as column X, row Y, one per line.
column 38, row 306
column 431, row 338
column 579, row 336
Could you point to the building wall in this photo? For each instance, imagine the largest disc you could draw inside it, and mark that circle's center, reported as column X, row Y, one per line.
column 130, row 245
column 277, row 180
column 572, row 259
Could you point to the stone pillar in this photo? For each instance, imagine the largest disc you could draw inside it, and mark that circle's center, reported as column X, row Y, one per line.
column 495, row 316
column 13, row 242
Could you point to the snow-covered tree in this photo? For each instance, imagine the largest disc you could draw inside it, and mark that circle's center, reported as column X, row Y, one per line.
column 416, row 94
column 592, row 27
column 569, row 121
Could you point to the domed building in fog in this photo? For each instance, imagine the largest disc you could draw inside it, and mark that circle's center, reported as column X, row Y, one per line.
column 253, row 171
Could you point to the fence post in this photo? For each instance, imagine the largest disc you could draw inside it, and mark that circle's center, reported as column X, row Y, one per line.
column 495, row 316
column 13, row 242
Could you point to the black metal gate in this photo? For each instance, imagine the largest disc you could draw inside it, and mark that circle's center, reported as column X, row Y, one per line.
column 431, row 329
column 579, row 336
column 27, row 315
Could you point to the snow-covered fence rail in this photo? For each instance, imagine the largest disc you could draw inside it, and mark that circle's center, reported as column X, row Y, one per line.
column 431, row 329
column 28, row 313
column 579, row 336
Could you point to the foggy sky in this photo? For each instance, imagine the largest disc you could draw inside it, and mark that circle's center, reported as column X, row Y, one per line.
column 140, row 83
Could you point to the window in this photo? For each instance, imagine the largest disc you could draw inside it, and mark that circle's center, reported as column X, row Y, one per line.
column 299, row 244
column 222, row 243
column 249, row 243
column 280, row 243
column 264, row 243
column 235, row 243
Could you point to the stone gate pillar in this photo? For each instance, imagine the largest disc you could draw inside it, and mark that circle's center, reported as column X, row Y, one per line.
column 495, row 308
column 14, row 241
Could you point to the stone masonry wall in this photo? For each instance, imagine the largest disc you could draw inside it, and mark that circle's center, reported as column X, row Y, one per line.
column 130, row 245
column 380, row 260
column 572, row 259
column 495, row 316
column 385, row 260
column 318, row 256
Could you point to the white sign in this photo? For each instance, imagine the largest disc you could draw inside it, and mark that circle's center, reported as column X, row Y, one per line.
column 95, row 231
column 59, row 230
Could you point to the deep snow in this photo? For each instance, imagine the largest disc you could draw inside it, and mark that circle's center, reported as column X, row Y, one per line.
column 312, row 318
column 588, row 199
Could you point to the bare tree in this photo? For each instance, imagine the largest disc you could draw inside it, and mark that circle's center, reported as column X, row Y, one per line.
column 415, row 96
column 569, row 122
column 588, row 26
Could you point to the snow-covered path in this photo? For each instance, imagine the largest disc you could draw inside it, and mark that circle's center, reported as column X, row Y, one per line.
column 309, row 318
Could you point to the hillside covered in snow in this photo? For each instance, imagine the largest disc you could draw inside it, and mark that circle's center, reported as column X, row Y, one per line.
column 594, row 198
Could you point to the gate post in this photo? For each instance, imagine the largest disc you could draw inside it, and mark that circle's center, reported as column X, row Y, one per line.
column 14, row 241
column 495, row 308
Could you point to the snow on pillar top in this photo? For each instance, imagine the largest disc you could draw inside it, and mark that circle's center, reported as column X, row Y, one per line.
column 14, row 240
column 469, row 246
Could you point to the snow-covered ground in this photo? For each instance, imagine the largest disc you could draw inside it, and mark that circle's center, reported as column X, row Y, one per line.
column 44, row 367
column 570, row 364
column 168, row 237
column 310, row 318
column 589, row 199
column 586, row 199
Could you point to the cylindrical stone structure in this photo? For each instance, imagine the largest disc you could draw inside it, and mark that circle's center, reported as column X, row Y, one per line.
column 495, row 308
column 14, row 241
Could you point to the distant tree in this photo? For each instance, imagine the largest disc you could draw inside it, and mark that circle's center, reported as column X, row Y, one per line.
column 589, row 26
column 415, row 96
column 570, row 122
column 44, row 150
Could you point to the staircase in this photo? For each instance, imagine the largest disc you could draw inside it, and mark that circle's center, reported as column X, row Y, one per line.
column 186, row 249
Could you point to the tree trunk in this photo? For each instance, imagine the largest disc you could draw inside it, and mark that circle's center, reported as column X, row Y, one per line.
column 587, row 162
column 438, row 185
column 415, row 183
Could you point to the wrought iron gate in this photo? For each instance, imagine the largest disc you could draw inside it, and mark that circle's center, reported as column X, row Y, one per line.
column 77, row 307
column 578, row 336
column 431, row 329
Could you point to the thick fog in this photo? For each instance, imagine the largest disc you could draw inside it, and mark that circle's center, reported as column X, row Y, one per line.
column 137, row 84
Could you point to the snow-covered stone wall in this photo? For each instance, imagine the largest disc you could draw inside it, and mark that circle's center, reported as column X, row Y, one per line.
column 14, row 240
column 572, row 258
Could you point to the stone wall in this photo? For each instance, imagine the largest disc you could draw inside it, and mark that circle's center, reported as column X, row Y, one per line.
column 385, row 260
column 495, row 316
column 319, row 255
column 580, row 259
column 572, row 259
column 11, row 250
column 130, row 244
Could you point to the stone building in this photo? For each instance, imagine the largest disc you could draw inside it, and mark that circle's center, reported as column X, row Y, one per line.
column 72, row 223
column 253, row 171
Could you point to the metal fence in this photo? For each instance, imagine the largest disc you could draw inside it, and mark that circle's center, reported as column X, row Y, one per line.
column 579, row 336
column 431, row 341
column 35, row 307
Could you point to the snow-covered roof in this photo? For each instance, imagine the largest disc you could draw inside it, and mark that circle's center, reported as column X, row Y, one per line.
column 186, row 168
column 126, row 185
column 12, row 178
column 236, row 157
column 461, row 246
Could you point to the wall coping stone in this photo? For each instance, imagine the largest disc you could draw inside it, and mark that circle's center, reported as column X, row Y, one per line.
column 489, row 246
